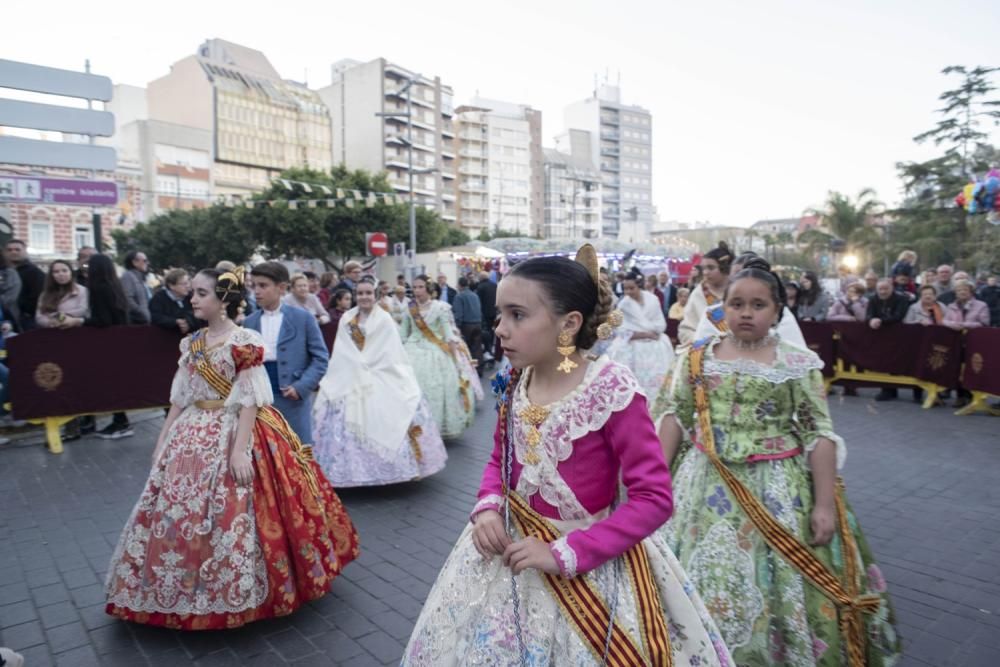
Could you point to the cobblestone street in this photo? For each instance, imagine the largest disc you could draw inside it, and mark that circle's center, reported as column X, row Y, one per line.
column 925, row 485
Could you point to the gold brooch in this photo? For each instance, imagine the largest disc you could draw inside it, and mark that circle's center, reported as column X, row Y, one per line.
column 534, row 416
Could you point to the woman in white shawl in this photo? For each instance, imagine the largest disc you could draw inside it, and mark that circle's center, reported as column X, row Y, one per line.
column 371, row 425
column 641, row 343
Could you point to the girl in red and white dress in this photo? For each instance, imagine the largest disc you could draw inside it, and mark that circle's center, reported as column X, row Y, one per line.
column 236, row 523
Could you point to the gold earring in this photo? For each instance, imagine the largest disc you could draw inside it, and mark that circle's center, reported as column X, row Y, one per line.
column 566, row 348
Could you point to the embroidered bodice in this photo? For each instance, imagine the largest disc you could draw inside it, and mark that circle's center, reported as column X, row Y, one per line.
column 238, row 359
column 598, row 435
column 758, row 411
column 438, row 318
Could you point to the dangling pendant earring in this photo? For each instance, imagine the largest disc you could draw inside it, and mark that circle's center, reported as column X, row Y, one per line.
column 566, row 348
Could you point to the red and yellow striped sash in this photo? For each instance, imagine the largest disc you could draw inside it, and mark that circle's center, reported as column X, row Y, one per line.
column 845, row 596
column 588, row 611
column 269, row 416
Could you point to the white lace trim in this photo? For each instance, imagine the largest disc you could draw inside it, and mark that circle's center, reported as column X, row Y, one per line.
column 791, row 363
column 565, row 556
column 607, row 388
column 490, row 502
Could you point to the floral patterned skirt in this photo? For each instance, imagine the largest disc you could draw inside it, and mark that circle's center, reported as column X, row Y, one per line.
column 768, row 614
column 440, row 383
column 202, row 553
column 348, row 460
column 469, row 617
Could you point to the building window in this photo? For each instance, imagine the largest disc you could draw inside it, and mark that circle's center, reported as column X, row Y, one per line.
column 83, row 236
column 40, row 239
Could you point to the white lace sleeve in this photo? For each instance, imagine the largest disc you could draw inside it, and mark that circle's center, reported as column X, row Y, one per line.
column 251, row 386
column 180, row 389
column 565, row 557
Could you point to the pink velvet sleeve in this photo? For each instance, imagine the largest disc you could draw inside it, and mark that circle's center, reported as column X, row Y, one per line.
column 490, row 488
column 649, row 503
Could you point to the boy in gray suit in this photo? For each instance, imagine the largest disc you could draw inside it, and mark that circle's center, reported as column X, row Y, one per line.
column 295, row 355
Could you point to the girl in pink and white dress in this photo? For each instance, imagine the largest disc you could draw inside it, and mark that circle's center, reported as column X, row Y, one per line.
column 557, row 565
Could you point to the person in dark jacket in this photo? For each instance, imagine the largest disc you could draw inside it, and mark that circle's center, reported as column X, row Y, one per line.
column 170, row 308
column 108, row 308
column 32, row 282
column 990, row 295
column 887, row 308
column 133, row 281
column 486, row 290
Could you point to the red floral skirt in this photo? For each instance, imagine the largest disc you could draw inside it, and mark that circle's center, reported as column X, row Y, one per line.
column 305, row 534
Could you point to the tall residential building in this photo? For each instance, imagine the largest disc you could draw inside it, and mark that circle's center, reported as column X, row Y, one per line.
column 621, row 143
column 261, row 124
column 572, row 196
column 362, row 99
column 500, row 168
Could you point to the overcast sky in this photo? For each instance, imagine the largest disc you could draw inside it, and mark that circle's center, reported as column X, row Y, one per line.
column 758, row 108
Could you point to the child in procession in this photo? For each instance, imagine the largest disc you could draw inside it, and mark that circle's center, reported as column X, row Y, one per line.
column 555, row 566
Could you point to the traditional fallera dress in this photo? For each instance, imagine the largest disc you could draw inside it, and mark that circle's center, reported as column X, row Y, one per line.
column 649, row 360
column 744, row 500
column 554, row 474
column 371, row 425
column 201, row 552
column 449, row 394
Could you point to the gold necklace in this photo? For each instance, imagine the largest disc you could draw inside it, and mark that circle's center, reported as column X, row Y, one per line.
column 534, row 415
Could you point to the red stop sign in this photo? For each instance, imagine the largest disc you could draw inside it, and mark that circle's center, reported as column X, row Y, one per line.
column 378, row 244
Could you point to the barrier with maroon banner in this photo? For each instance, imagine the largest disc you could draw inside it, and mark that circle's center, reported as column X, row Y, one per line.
column 56, row 375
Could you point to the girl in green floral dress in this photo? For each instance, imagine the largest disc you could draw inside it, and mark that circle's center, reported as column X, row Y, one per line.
column 759, row 522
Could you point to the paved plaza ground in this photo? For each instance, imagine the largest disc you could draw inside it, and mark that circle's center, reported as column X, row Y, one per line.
column 925, row 485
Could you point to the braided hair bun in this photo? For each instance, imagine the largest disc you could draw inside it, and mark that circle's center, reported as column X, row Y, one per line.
column 229, row 289
column 722, row 255
column 605, row 304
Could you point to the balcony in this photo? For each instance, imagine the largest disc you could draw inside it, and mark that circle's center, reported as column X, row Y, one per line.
column 448, row 174
column 613, row 135
column 610, row 151
column 473, row 153
column 610, row 166
column 471, row 170
column 473, row 186
column 610, row 119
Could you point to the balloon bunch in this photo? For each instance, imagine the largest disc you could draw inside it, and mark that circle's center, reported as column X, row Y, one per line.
column 981, row 196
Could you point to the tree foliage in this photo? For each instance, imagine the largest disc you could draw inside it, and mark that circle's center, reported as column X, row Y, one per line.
column 203, row 237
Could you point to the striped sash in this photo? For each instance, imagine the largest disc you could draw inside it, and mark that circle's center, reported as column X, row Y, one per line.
column 588, row 612
column 846, row 596
column 268, row 415
column 463, row 384
column 717, row 316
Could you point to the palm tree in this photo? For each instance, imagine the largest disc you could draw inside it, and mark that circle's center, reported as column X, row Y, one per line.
column 785, row 238
column 750, row 235
column 769, row 243
column 848, row 220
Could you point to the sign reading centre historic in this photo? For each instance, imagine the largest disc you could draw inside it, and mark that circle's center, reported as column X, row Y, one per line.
column 28, row 189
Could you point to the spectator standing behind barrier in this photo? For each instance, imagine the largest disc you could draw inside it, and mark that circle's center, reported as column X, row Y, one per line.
column 61, row 299
column 990, row 295
column 486, row 290
column 813, row 301
column 948, row 297
column 340, row 303
column 133, row 282
column 107, row 307
column 966, row 311
column 349, row 280
column 905, row 266
column 669, row 291
column 943, row 281
column 676, row 311
column 871, row 283
column 170, row 308
column 792, row 291
column 327, row 283
column 83, row 256
column 446, row 292
column 927, row 310
column 887, row 308
column 300, row 297
column 852, row 307
column 10, row 289
column 468, row 314
column 32, row 282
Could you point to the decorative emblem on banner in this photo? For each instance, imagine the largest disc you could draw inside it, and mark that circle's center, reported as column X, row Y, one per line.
column 938, row 356
column 48, row 375
column 977, row 363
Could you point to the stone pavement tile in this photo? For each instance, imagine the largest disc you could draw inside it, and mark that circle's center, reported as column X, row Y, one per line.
column 265, row 660
column 223, row 658
column 154, row 641
column 382, row 646
column 315, row 660
column 17, row 613
column 15, row 592
column 128, row 657
column 50, row 594
column 58, row 614
column 199, row 644
column 309, row 622
column 933, row 649
column 290, row 644
column 23, row 636
column 364, row 660
column 66, row 637
column 112, row 638
column 246, row 642
column 338, row 646
column 86, row 596
column 83, row 656
column 171, row 658
column 37, row 656
column 95, row 617
column 352, row 624
column 394, row 624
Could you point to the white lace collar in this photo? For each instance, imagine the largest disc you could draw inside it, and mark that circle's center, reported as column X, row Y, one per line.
column 607, row 388
column 790, row 363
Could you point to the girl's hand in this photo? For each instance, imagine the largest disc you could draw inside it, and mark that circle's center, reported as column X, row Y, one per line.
column 488, row 534
column 530, row 552
column 241, row 468
column 822, row 523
